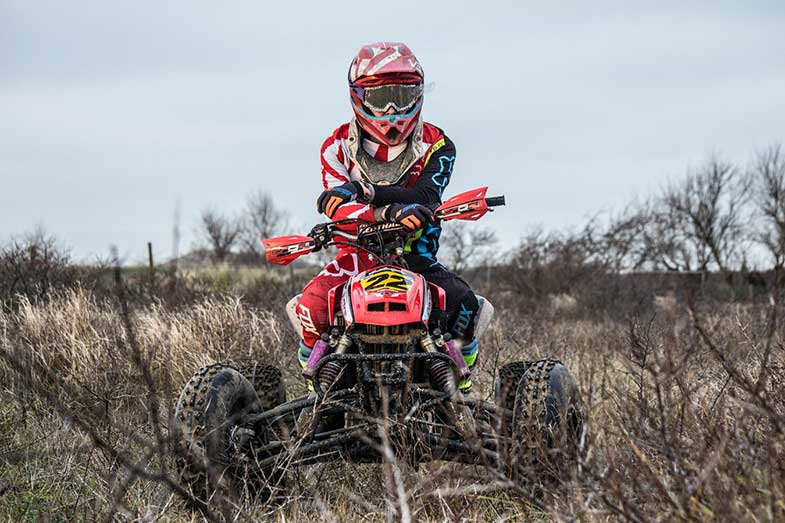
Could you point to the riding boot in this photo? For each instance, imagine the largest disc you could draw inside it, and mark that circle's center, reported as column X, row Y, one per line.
column 469, row 353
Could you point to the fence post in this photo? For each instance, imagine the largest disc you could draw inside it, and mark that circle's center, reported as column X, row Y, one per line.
column 151, row 265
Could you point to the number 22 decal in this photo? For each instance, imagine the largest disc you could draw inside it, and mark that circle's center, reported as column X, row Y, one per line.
column 386, row 280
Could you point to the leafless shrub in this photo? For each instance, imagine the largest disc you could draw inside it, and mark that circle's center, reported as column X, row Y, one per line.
column 239, row 239
column 551, row 264
column 768, row 171
column 261, row 219
column 35, row 264
column 220, row 233
column 464, row 245
column 705, row 213
column 696, row 224
column 621, row 243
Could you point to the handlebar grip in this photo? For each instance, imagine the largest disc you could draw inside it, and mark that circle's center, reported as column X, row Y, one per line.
column 494, row 201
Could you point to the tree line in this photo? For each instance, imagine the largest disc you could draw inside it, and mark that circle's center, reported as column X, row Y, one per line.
column 720, row 217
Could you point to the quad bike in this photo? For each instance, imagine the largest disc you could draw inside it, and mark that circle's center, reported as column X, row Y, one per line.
column 384, row 381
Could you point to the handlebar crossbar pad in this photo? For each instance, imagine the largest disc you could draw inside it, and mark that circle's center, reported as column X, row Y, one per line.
column 379, row 227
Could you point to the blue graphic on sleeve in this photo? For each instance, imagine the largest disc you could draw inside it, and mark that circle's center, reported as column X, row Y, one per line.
column 442, row 178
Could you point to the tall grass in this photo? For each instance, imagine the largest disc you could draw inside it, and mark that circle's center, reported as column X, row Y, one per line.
column 685, row 402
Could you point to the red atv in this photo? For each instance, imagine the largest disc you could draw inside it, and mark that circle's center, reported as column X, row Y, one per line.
column 384, row 378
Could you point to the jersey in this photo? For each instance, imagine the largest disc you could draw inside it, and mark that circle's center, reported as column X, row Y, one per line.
column 425, row 179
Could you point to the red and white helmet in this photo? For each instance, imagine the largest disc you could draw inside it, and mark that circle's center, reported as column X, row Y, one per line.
column 385, row 76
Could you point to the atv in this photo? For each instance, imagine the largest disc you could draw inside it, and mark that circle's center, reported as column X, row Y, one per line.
column 385, row 382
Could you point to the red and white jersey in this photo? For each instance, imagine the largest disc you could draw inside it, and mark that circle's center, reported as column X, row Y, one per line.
column 423, row 182
column 339, row 164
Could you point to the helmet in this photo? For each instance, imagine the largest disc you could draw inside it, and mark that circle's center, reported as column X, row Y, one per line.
column 384, row 76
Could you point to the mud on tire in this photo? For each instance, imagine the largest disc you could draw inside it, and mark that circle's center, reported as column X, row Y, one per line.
column 507, row 378
column 207, row 413
column 542, row 420
column 267, row 381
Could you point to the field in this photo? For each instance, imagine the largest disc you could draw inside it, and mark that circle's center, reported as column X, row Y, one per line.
column 684, row 394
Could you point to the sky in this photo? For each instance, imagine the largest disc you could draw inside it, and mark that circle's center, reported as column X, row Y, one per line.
column 115, row 114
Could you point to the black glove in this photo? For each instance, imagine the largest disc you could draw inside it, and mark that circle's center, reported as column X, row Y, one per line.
column 413, row 216
column 329, row 201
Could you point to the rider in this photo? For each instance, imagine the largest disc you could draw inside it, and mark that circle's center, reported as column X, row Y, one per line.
column 387, row 164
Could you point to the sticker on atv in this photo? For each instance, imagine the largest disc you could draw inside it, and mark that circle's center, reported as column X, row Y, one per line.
column 386, row 280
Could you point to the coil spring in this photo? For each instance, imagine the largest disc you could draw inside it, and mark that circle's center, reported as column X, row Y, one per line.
column 329, row 373
column 442, row 376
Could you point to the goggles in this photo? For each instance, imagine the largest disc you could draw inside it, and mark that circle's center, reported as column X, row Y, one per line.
column 401, row 97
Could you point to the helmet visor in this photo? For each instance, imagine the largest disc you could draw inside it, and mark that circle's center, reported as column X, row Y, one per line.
column 401, row 97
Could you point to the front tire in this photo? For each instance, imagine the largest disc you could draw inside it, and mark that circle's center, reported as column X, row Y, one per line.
column 208, row 415
column 541, row 423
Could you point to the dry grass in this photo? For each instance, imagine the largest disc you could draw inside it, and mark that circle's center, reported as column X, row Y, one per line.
column 686, row 411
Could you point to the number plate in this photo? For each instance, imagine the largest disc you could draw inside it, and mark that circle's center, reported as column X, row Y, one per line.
column 386, row 279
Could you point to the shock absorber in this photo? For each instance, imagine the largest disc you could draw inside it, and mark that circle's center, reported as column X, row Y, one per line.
column 441, row 372
column 332, row 369
column 330, row 373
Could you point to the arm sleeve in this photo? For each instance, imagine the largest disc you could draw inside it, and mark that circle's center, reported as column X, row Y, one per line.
column 334, row 171
column 429, row 187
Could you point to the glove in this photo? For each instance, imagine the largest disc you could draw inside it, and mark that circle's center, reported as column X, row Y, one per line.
column 412, row 216
column 329, row 201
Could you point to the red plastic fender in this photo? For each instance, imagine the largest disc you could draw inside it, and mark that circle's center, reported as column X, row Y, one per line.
column 334, row 297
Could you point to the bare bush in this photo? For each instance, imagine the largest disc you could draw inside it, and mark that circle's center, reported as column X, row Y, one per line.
column 35, row 264
column 549, row 264
column 261, row 219
column 620, row 244
column 768, row 171
column 696, row 224
column 220, row 232
column 463, row 245
column 703, row 217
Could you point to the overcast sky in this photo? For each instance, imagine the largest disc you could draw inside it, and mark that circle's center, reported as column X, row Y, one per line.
column 113, row 112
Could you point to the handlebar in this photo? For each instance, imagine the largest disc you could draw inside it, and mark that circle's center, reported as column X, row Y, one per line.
column 344, row 235
column 380, row 239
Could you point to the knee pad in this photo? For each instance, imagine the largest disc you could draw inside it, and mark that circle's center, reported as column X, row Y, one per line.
column 465, row 316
